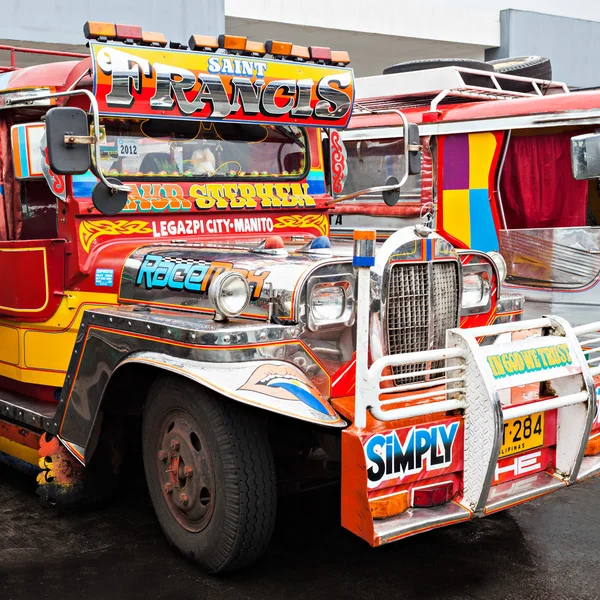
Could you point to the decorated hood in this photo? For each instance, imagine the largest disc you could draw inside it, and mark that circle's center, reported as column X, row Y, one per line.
column 180, row 277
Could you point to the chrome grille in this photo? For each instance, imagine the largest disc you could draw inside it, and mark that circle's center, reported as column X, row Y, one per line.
column 422, row 304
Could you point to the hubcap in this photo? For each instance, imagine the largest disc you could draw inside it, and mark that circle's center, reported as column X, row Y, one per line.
column 185, row 470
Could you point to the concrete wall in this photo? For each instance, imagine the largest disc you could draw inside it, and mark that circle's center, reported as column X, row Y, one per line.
column 573, row 45
column 61, row 21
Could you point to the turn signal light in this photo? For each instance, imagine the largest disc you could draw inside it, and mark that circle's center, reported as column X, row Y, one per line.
column 255, row 48
column 152, row 38
column 340, row 57
column 203, row 43
column 382, row 508
column 276, row 48
column 300, row 53
column 128, row 33
column 432, row 495
column 320, row 54
column 236, row 43
column 94, row 30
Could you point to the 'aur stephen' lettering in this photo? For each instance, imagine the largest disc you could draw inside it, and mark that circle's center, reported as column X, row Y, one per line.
column 151, row 197
column 530, row 360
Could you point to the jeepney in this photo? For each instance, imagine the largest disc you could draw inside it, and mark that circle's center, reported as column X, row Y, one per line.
column 497, row 172
column 167, row 260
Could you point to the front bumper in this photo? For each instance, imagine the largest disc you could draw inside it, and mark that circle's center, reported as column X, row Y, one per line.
column 540, row 366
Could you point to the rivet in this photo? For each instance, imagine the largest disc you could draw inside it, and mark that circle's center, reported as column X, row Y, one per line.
column 110, row 319
column 226, row 339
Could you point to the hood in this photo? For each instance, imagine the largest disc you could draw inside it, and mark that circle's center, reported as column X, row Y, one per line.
column 179, row 276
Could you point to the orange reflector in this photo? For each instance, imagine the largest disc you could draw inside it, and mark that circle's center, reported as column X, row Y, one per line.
column 340, row 57
column 93, row 30
column 388, row 507
column 255, row 48
column 300, row 52
column 364, row 234
column 203, row 42
column 232, row 42
column 152, row 37
column 320, row 53
column 278, row 48
column 129, row 32
column 593, row 446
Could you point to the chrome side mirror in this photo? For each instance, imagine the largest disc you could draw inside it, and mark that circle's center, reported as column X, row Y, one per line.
column 585, row 156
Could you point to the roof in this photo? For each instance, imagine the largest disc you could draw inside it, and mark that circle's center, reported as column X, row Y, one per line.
column 54, row 75
column 447, row 94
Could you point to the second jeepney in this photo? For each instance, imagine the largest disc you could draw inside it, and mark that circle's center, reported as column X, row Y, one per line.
column 166, row 260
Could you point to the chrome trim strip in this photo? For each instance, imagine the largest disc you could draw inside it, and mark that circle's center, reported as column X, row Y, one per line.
column 415, row 519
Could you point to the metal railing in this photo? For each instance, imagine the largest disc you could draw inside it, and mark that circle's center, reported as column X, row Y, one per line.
column 14, row 50
column 589, row 339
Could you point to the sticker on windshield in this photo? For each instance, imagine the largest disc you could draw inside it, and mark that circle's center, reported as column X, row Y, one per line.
column 127, row 147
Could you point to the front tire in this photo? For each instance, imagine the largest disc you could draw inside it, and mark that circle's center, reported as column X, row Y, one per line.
column 210, row 473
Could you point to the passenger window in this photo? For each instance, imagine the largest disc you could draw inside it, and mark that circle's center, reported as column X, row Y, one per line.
column 537, row 188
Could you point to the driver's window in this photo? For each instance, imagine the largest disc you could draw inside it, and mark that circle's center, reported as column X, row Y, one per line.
column 371, row 162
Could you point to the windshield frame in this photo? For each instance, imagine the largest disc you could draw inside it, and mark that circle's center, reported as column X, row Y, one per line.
column 217, row 178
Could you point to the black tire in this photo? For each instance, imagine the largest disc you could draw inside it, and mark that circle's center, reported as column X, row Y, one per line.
column 536, row 67
column 436, row 63
column 229, row 516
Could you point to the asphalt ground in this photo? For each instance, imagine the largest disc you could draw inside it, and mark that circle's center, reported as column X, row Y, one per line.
column 546, row 549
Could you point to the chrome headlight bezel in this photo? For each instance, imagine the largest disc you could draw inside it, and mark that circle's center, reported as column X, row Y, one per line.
column 500, row 265
column 319, row 284
column 484, row 272
column 218, row 289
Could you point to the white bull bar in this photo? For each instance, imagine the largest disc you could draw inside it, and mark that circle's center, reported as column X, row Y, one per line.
column 469, row 383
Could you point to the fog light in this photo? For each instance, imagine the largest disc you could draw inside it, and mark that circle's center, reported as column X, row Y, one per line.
column 432, row 495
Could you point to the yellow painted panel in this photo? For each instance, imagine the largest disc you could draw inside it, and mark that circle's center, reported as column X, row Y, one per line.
column 9, row 345
column 456, row 214
column 29, row 455
column 50, row 350
column 481, row 153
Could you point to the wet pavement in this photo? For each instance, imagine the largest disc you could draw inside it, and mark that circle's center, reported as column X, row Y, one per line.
column 547, row 549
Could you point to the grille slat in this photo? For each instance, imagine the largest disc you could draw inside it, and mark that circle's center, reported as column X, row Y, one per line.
column 410, row 311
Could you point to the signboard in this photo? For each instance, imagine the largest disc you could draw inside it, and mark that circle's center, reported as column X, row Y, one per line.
column 530, row 360
column 175, row 84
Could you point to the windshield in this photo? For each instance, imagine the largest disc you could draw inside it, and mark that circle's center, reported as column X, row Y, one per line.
column 371, row 162
column 198, row 150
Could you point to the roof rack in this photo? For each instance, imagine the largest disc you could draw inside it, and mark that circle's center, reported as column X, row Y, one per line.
column 445, row 85
column 16, row 49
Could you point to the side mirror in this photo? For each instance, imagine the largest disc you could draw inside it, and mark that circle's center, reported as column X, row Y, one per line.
column 585, row 156
column 68, row 139
column 413, row 147
column 391, row 196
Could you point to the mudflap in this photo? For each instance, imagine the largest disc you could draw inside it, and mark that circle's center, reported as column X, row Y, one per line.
column 64, row 482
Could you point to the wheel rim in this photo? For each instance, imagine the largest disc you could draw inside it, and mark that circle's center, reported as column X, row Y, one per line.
column 185, row 470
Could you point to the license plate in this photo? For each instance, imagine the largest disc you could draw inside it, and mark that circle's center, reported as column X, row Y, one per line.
column 522, row 434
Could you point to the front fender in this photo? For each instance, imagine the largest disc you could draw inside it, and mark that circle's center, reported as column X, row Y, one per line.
column 273, row 385
column 249, row 363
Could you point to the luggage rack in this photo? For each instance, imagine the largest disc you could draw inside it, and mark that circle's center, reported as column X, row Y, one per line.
column 433, row 87
column 14, row 50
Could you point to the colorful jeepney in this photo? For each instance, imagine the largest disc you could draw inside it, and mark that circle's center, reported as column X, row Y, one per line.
column 497, row 169
column 167, row 261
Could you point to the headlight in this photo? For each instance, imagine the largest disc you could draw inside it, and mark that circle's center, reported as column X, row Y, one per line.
column 229, row 295
column 476, row 289
column 327, row 302
column 500, row 265
column 330, row 301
